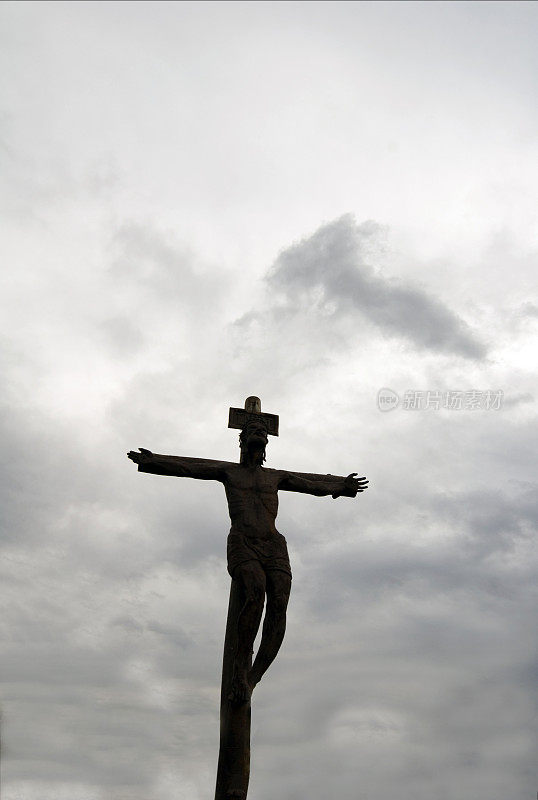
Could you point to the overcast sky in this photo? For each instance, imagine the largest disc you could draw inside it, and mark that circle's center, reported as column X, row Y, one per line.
column 308, row 202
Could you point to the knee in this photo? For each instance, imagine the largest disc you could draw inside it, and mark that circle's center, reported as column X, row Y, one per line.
column 278, row 593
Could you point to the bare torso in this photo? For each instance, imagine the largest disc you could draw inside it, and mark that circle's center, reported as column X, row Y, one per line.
column 252, row 494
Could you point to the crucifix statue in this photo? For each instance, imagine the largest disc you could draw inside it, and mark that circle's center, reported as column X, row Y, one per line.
column 258, row 564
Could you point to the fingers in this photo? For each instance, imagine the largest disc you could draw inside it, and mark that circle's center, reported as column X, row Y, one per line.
column 141, row 457
column 361, row 483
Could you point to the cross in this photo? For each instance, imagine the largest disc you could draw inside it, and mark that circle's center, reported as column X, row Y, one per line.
column 259, row 566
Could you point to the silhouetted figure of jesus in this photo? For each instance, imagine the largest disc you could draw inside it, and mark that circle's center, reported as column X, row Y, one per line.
column 257, row 552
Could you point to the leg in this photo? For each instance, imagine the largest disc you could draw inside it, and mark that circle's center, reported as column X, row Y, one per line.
column 252, row 578
column 274, row 625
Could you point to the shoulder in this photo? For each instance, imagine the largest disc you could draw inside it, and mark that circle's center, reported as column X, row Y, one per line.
column 276, row 475
column 229, row 470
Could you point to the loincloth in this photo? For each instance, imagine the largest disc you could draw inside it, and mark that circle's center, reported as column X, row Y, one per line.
column 270, row 553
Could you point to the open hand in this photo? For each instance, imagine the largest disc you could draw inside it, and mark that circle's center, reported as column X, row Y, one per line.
column 355, row 484
column 142, row 457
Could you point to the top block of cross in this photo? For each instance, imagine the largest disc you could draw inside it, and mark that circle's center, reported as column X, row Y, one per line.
column 239, row 417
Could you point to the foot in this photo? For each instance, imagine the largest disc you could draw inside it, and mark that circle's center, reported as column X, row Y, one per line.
column 253, row 679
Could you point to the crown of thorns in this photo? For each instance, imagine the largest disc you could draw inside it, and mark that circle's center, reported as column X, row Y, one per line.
column 252, row 420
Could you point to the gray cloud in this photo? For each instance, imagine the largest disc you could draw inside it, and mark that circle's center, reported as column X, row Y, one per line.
column 480, row 553
column 141, row 213
column 420, row 642
column 518, row 399
column 328, row 271
column 122, row 336
column 153, row 261
column 528, row 310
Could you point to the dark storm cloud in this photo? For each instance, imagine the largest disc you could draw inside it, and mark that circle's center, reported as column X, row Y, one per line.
column 329, row 271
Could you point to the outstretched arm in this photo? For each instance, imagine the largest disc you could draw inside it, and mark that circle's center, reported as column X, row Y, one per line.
column 181, row 466
column 323, row 485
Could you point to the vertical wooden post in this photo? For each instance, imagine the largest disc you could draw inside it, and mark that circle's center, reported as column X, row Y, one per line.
column 234, row 754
